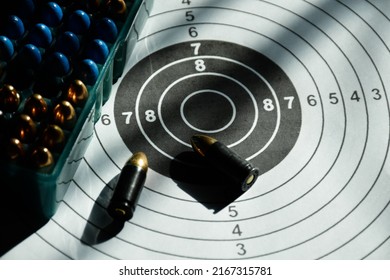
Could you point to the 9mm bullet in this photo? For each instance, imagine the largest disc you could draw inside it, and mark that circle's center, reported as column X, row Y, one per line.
column 128, row 189
column 224, row 159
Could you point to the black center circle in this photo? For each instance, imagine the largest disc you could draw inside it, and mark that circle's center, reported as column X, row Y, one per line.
column 169, row 104
column 217, row 115
column 224, row 90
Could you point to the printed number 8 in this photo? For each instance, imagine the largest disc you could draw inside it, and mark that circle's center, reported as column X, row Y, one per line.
column 150, row 116
column 199, row 65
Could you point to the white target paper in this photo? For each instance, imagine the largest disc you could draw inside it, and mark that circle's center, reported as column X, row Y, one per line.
column 300, row 88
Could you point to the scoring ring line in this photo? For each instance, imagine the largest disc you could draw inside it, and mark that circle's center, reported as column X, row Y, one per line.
column 234, row 111
column 207, row 73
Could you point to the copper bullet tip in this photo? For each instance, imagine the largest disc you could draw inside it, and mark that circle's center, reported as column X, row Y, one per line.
column 36, row 106
column 53, row 137
column 139, row 159
column 42, row 157
column 77, row 93
column 64, row 114
column 15, row 149
column 9, row 98
column 201, row 143
column 117, row 7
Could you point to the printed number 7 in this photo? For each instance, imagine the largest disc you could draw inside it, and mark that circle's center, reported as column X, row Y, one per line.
column 196, row 47
column 128, row 116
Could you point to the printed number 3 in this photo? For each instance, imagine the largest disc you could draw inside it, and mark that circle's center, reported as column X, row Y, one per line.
column 242, row 250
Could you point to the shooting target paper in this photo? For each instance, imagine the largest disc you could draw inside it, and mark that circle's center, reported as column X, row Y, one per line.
column 298, row 88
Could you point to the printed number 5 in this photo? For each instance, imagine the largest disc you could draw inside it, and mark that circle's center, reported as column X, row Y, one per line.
column 232, row 211
column 190, row 16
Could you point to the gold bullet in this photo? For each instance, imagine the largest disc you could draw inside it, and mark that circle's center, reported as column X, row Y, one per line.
column 41, row 157
column 116, row 7
column 225, row 160
column 53, row 137
column 36, row 107
column 9, row 99
column 128, row 189
column 25, row 128
column 64, row 115
column 139, row 159
column 14, row 149
column 77, row 93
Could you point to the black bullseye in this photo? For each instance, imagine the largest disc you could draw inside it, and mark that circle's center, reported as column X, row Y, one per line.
column 228, row 91
column 208, row 111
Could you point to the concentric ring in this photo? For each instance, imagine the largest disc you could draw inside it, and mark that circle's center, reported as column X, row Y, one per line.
column 327, row 198
column 207, row 131
column 179, row 77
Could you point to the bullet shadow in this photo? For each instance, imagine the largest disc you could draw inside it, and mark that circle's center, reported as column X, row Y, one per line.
column 100, row 225
column 207, row 185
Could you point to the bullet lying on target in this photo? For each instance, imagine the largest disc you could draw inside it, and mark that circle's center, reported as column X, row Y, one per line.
column 224, row 159
column 128, row 189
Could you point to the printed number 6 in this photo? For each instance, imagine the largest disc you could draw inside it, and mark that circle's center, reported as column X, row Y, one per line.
column 192, row 31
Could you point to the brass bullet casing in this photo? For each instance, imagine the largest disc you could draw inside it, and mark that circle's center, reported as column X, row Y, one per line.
column 14, row 149
column 225, row 160
column 64, row 115
column 128, row 189
column 36, row 107
column 41, row 157
column 53, row 137
column 25, row 128
column 77, row 93
column 9, row 99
